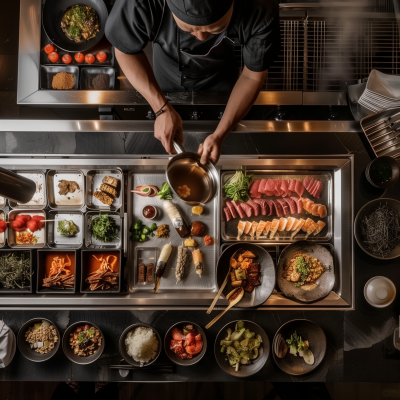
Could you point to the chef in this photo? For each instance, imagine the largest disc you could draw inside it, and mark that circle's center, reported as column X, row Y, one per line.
column 193, row 50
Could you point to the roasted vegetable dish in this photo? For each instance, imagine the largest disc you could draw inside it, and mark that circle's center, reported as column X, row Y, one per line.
column 85, row 340
column 246, row 273
column 80, row 23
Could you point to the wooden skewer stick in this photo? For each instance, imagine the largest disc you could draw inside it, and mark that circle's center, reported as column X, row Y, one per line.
column 219, row 292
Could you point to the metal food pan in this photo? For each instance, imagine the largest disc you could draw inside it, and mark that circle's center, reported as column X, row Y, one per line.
column 40, row 235
column 69, row 201
column 229, row 229
column 145, row 255
column 41, row 271
column 3, row 235
column 55, row 239
column 27, row 289
column 94, row 178
column 39, row 200
column 191, row 281
column 91, row 242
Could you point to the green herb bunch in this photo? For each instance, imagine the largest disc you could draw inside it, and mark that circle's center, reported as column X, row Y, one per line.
column 104, row 228
column 237, row 187
column 15, row 271
column 303, row 269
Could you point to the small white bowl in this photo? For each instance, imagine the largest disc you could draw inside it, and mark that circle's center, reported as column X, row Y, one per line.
column 379, row 291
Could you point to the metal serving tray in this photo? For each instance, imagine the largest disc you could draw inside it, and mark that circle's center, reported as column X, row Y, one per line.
column 229, row 229
column 93, row 243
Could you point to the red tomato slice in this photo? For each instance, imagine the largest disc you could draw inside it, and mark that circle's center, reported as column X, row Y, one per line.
column 89, row 58
column 54, row 57
column 32, row 225
column 49, row 48
column 101, row 56
column 79, row 57
column 66, row 59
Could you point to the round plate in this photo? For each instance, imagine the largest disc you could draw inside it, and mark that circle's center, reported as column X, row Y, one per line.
column 325, row 282
column 308, row 330
column 368, row 209
column 245, row 370
column 69, row 352
column 53, row 12
column 172, row 356
column 261, row 293
column 124, row 353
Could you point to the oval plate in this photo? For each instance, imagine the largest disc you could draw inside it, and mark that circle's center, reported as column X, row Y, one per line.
column 308, row 330
column 261, row 293
column 245, row 370
column 325, row 282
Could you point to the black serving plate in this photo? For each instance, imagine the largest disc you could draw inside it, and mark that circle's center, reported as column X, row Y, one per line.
column 261, row 293
column 27, row 289
column 47, row 73
column 308, row 330
column 89, row 73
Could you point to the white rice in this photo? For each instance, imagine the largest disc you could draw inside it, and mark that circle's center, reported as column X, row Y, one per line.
column 141, row 344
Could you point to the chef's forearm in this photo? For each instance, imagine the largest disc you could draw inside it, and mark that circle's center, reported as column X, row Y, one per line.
column 243, row 96
column 137, row 69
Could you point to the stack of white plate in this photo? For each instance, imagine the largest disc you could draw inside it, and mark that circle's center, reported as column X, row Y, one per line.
column 382, row 92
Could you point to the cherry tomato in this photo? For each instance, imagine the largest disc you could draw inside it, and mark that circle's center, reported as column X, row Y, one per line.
column 101, row 56
column 66, row 59
column 54, row 57
column 79, row 57
column 49, row 48
column 89, row 58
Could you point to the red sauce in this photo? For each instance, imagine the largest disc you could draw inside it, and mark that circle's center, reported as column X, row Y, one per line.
column 149, row 212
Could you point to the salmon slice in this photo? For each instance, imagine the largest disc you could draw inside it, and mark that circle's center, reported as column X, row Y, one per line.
column 320, row 226
column 267, row 228
column 298, row 227
column 247, row 227
column 308, row 222
column 290, row 223
column 260, row 228
column 322, row 211
column 282, row 224
column 295, row 225
column 253, row 228
column 307, row 204
column 314, row 209
column 274, row 227
column 240, row 227
column 311, row 228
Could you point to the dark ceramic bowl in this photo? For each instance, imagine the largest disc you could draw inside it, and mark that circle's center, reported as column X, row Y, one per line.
column 172, row 356
column 25, row 348
column 395, row 172
column 367, row 210
column 245, row 370
column 69, row 352
column 308, row 330
column 124, row 353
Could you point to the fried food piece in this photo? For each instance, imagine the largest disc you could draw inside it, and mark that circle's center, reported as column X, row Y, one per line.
column 108, row 189
column 111, row 181
column 103, row 197
column 150, row 269
column 67, row 187
column 141, row 273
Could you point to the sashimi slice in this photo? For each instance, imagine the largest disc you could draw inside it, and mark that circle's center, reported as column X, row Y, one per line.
column 247, row 209
column 320, row 226
column 307, row 204
column 285, row 206
column 299, row 188
column 264, row 206
column 273, row 228
column 278, row 191
column 284, row 187
column 232, row 209
column 270, row 187
column 247, row 227
column 313, row 187
column 292, row 205
column 253, row 191
column 282, row 224
column 308, row 222
column 272, row 208
column 296, row 224
column 253, row 228
column 299, row 204
column 228, row 215
column 239, row 209
column 267, row 228
column 322, row 211
column 311, row 228
column 260, row 228
column 314, row 209
column 318, row 190
column 255, row 206
column 298, row 227
column 290, row 223
column 292, row 185
column 240, row 227
column 263, row 186
column 308, row 182
column 278, row 208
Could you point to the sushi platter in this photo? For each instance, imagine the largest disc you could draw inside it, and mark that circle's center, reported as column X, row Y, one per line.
column 160, row 252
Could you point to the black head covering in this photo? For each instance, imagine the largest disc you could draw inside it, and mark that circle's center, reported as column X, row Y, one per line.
column 199, row 12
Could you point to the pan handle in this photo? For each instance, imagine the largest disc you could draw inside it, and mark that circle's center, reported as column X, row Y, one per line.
column 178, row 147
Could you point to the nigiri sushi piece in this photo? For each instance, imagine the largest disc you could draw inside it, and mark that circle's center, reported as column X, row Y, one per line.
column 322, row 211
column 240, row 227
column 198, row 261
column 282, row 224
column 260, row 228
column 311, row 228
column 247, row 227
column 267, row 228
column 290, row 223
column 320, row 226
column 299, row 225
column 274, row 227
column 305, row 226
column 314, row 209
column 253, row 228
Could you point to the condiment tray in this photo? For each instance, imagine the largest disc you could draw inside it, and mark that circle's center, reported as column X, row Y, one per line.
column 47, row 73
column 55, row 239
column 145, row 255
column 91, row 242
column 89, row 73
column 17, row 290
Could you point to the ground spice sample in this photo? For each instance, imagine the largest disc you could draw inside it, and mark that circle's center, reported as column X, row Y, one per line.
column 63, row 81
column 101, row 82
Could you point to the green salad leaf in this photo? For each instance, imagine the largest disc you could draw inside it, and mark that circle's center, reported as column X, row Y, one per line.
column 104, row 228
column 165, row 192
column 237, row 187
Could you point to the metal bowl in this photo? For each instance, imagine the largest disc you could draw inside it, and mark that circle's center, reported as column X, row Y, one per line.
column 245, row 370
column 25, row 348
column 69, row 352
column 395, row 172
column 173, row 357
column 124, row 353
column 368, row 209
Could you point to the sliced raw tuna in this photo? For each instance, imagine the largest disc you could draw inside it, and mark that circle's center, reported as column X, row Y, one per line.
column 272, row 208
column 299, row 188
column 262, row 187
column 285, row 206
column 318, row 190
column 292, row 205
column 255, row 206
column 232, row 209
column 299, row 204
column 313, row 187
column 292, row 185
column 228, row 214
column 264, row 206
column 278, row 208
column 254, row 189
column 239, row 209
column 307, row 182
column 278, row 191
column 247, row 209
column 284, row 188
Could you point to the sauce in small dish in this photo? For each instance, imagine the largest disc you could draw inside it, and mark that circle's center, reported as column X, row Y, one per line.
column 149, row 212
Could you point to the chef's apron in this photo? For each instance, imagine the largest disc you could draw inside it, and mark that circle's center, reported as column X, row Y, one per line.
column 215, row 70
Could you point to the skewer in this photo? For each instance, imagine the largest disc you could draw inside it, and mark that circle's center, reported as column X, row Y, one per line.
column 219, row 291
column 382, row 122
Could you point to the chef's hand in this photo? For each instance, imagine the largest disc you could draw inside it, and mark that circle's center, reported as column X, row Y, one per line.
column 167, row 127
column 211, row 149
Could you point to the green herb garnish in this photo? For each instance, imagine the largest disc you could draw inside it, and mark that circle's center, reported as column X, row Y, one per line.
column 303, row 269
column 165, row 193
column 104, row 228
column 15, row 271
column 237, row 187
column 67, row 228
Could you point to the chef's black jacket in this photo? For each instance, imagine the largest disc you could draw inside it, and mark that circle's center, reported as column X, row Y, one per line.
column 180, row 60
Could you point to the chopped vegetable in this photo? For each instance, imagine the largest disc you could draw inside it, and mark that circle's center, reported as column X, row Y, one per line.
column 140, row 232
column 237, row 187
column 104, row 228
column 165, row 193
column 67, row 228
column 297, row 345
column 14, row 270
